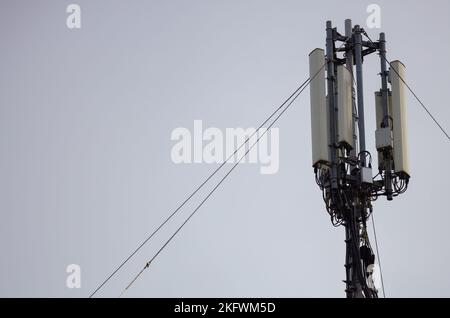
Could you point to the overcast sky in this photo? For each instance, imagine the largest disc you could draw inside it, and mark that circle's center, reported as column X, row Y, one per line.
column 86, row 174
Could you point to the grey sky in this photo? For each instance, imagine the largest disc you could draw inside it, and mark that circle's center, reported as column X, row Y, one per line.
column 85, row 168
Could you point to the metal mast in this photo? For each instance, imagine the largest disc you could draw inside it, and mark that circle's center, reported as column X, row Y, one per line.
column 341, row 162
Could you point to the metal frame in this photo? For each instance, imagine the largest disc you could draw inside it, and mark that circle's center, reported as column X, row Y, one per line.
column 347, row 191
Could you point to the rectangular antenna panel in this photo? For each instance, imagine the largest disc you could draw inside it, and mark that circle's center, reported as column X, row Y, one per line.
column 399, row 119
column 345, row 105
column 319, row 109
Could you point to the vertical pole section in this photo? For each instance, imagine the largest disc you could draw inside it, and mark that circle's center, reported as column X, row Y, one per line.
column 349, row 65
column 331, row 106
column 384, row 74
column 384, row 103
column 360, row 90
column 350, row 289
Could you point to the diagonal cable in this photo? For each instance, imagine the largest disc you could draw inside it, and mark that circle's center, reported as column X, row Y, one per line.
column 217, row 186
column 294, row 95
column 196, row 190
column 412, row 92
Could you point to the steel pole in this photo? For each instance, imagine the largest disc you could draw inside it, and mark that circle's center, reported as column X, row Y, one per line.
column 331, row 106
column 385, row 122
column 360, row 90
